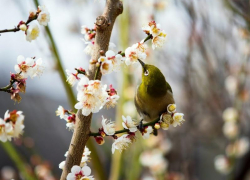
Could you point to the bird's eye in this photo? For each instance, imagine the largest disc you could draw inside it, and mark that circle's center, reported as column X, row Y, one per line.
column 146, row 73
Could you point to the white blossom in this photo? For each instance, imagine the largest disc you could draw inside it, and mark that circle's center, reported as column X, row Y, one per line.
column 137, row 51
column 178, row 119
column 147, row 131
column 5, row 131
column 89, row 48
column 43, row 16
column 106, row 66
column 85, row 158
column 32, row 32
column 91, row 95
column 128, row 123
column 155, row 161
column 37, row 68
column 230, row 130
column 222, row 164
column 230, row 114
column 78, row 173
column 24, row 66
column 71, row 77
column 112, row 101
column 159, row 40
column 231, row 84
column 239, row 148
column 108, row 126
column 23, row 27
column 61, row 112
column 121, row 143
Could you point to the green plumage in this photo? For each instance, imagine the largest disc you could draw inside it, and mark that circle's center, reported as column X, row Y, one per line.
column 154, row 93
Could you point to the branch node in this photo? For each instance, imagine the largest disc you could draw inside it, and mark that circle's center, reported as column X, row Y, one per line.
column 101, row 22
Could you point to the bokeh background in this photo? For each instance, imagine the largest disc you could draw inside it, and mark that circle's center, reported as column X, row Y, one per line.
column 205, row 59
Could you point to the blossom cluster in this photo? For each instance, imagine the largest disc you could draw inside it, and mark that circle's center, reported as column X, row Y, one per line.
column 171, row 117
column 110, row 62
column 32, row 31
column 93, row 96
column 131, row 126
column 158, row 35
column 11, row 126
column 24, row 68
column 237, row 147
column 82, row 171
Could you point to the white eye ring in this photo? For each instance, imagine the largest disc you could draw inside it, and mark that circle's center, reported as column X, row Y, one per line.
column 146, row 73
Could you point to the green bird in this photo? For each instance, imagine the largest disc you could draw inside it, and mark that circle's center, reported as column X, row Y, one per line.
column 154, row 93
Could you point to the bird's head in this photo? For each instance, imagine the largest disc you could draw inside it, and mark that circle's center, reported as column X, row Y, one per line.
column 151, row 74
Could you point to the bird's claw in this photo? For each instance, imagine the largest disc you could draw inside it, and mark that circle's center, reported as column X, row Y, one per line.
column 141, row 125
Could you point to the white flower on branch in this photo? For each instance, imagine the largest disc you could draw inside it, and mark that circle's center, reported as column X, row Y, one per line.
column 178, row 119
column 78, row 173
column 61, row 112
column 239, row 148
column 89, row 48
column 84, row 160
column 71, row 77
column 222, row 164
column 171, row 108
column 121, row 143
column 137, row 51
column 230, row 114
column 128, row 123
column 158, row 35
column 28, row 67
column 159, row 40
column 108, row 126
column 43, row 16
column 32, row 32
column 230, row 130
column 147, row 131
column 91, row 95
column 112, row 98
column 12, row 125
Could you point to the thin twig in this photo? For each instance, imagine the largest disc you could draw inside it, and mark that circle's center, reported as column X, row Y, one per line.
column 127, row 130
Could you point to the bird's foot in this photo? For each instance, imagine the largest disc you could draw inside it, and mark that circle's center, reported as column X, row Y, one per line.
column 141, row 125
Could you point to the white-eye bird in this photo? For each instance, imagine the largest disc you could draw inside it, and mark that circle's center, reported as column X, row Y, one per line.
column 154, row 93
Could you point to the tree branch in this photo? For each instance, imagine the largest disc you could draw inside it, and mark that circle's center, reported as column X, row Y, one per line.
column 104, row 25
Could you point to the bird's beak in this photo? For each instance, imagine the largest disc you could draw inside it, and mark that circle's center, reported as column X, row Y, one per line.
column 142, row 64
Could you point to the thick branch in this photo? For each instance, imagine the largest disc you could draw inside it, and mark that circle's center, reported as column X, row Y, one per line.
column 80, row 137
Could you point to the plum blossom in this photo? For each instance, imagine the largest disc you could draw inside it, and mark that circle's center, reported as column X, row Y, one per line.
column 110, row 62
column 146, row 132
column 71, row 77
column 171, row 108
column 43, row 16
column 230, row 130
column 230, row 114
column 222, row 164
column 91, row 95
column 121, row 143
column 158, row 35
column 84, row 160
column 154, row 160
column 32, row 32
column 135, row 52
column 89, row 48
column 128, row 123
column 78, row 173
column 61, row 112
column 112, row 97
column 108, row 126
column 178, row 119
column 11, row 126
column 239, row 148
column 28, row 67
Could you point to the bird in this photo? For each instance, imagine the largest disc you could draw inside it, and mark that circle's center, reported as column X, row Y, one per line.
column 153, row 95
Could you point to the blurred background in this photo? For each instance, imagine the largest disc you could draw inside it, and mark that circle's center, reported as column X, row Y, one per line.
column 205, row 59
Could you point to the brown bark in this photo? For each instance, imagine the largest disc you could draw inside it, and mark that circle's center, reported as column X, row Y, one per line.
column 80, row 137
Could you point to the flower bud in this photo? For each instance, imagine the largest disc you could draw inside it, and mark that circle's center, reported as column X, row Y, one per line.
column 171, row 108
column 164, row 126
column 23, row 27
column 97, row 64
column 99, row 140
column 102, row 134
column 157, row 126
